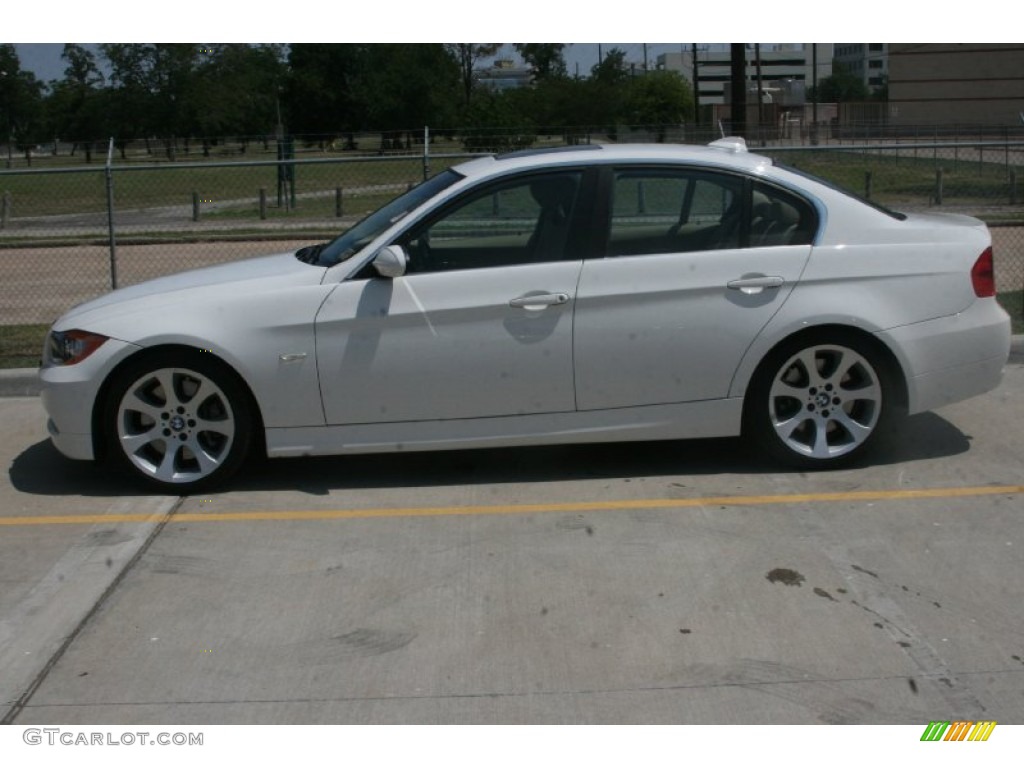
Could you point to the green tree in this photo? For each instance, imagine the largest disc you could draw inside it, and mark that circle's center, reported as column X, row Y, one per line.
column 406, row 87
column 612, row 69
column 319, row 90
column 840, row 86
column 129, row 91
column 236, row 91
column 498, row 122
column 659, row 98
column 467, row 55
column 546, row 60
column 76, row 105
column 21, row 103
column 173, row 75
column 155, row 90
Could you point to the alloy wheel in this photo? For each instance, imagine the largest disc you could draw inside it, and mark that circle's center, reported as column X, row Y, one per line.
column 825, row 401
column 175, row 425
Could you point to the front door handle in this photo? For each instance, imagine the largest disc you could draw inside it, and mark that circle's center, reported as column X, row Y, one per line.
column 539, row 301
column 756, row 284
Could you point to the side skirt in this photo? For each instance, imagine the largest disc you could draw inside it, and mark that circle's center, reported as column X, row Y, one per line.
column 710, row 418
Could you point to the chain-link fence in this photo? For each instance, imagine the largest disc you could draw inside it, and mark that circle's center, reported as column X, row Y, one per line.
column 68, row 234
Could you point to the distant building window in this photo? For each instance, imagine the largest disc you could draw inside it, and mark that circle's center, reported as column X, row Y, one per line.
column 875, row 64
column 876, row 46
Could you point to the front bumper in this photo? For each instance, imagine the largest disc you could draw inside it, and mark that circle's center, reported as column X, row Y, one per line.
column 68, row 394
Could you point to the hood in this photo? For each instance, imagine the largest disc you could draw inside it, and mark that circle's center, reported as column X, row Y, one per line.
column 281, row 269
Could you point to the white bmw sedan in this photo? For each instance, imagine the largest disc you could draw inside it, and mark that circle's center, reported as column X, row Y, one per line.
column 597, row 293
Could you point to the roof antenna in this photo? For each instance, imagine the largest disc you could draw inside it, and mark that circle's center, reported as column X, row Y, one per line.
column 721, row 128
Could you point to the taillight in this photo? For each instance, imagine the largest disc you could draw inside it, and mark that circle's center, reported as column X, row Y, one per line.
column 983, row 275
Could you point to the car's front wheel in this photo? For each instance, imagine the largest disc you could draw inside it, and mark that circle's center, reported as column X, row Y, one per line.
column 181, row 423
column 820, row 402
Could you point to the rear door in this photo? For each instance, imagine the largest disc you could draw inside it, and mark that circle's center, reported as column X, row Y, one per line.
column 695, row 264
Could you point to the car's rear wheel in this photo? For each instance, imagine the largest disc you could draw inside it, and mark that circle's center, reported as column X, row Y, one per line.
column 820, row 402
column 180, row 423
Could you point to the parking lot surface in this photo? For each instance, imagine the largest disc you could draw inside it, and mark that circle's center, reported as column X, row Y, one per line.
column 677, row 582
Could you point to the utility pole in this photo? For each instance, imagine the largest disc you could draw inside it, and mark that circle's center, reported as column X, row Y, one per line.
column 760, row 91
column 738, row 56
column 814, row 100
column 645, row 58
column 696, row 85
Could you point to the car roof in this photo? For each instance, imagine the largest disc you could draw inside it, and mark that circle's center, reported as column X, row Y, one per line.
column 723, row 155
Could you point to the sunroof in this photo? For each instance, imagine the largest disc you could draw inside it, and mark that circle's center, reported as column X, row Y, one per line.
column 548, row 151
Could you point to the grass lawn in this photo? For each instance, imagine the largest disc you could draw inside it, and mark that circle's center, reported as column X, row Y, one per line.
column 168, row 184
column 900, row 180
column 21, row 345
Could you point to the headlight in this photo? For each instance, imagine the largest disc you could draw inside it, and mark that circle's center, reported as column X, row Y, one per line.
column 70, row 347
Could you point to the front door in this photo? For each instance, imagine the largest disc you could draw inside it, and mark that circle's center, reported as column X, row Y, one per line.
column 481, row 324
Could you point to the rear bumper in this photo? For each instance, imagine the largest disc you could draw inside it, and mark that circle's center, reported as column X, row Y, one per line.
column 952, row 358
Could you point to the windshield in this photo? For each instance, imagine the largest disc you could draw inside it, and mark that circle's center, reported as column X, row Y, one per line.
column 369, row 228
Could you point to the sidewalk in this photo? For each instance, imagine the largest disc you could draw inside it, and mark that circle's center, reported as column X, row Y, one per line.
column 24, row 382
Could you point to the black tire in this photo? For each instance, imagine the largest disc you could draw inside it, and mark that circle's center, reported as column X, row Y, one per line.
column 180, row 422
column 820, row 401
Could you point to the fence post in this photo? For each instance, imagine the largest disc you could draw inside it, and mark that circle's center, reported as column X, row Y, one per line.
column 5, row 209
column 110, row 214
column 337, row 202
column 938, row 186
column 195, row 206
column 426, row 153
column 263, row 203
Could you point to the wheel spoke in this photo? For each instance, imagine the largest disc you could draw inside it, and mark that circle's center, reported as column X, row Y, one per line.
column 225, row 427
column 207, row 462
column 165, row 471
column 808, row 359
column 166, row 380
column 785, row 429
column 132, row 403
column 821, row 449
column 859, row 432
column 870, row 392
column 202, row 394
column 133, row 443
column 784, row 389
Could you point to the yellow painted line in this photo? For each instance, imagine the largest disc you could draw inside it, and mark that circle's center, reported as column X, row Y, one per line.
column 526, row 509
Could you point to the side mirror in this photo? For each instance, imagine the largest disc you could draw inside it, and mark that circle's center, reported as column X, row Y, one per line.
column 390, row 261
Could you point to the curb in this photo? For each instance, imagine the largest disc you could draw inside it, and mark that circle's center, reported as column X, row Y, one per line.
column 19, row 382
column 24, row 382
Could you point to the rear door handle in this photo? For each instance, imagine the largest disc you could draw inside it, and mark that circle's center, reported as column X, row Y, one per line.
column 539, row 301
column 752, row 285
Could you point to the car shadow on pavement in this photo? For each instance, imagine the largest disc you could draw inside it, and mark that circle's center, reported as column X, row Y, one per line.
column 41, row 470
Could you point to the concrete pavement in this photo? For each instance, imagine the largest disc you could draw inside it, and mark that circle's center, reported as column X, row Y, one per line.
column 681, row 582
